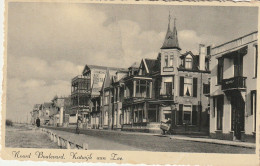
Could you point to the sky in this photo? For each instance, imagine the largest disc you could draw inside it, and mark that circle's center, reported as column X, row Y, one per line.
column 49, row 43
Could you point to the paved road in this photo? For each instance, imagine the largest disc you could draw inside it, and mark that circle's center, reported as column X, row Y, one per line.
column 148, row 142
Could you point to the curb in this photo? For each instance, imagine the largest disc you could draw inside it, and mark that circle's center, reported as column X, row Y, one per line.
column 220, row 142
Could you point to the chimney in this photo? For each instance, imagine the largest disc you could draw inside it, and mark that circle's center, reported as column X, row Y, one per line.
column 202, row 52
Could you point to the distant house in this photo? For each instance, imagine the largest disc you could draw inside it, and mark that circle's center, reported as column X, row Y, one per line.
column 35, row 113
column 85, row 89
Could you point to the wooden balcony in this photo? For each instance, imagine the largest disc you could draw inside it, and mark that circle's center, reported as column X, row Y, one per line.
column 80, row 77
column 235, row 83
column 80, row 91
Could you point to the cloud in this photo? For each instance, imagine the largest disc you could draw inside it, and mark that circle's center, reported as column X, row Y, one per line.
column 26, row 68
column 49, row 44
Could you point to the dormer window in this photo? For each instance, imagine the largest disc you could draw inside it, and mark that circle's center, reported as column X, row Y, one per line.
column 188, row 62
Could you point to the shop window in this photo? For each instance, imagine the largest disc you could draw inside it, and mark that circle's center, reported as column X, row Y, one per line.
column 167, row 116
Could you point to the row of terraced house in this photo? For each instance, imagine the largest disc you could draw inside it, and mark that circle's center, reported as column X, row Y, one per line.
column 212, row 93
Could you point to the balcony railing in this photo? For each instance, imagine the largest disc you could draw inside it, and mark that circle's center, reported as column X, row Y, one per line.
column 238, row 82
column 132, row 99
column 80, row 91
column 166, row 97
column 80, row 77
column 168, row 69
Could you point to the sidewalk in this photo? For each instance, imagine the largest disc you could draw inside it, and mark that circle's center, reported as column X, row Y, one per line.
column 214, row 141
column 181, row 137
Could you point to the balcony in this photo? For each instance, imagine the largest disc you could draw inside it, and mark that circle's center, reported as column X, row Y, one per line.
column 235, row 83
column 168, row 69
column 80, row 91
column 166, row 97
column 80, row 77
column 134, row 99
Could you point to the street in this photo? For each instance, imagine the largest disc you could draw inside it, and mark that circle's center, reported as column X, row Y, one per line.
column 115, row 140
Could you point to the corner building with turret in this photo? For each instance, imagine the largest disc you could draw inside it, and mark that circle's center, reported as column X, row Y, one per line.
column 173, row 86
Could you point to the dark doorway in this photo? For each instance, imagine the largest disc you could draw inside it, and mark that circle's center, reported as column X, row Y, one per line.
column 238, row 109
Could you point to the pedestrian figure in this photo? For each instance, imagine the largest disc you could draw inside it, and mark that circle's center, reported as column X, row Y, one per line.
column 38, row 121
column 77, row 128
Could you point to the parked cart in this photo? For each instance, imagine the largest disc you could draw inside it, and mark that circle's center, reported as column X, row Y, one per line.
column 166, row 127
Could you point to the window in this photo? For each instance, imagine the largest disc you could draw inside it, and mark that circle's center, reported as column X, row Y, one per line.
column 188, row 62
column 253, row 106
column 116, row 94
column 106, row 98
column 166, row 60
column 187, row 86
column 256, row 59
column 168, row 85
column 238, row 65
column 220, row 70
column 121, row 93
column 171, row 60
column 207, row 65
column 168, row 88
column 142, row 88
column 167, row 114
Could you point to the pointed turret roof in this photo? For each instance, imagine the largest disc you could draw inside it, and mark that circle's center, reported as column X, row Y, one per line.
column 171, row 38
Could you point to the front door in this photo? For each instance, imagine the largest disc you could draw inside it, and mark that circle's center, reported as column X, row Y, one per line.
column 238, row 107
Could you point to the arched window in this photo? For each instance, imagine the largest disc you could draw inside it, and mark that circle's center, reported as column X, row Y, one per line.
column 188, row 62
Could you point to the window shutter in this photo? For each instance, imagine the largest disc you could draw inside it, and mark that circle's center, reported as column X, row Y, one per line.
column 250, row 112
column 172, row 82
column 253, row 103
column 256, row 59
column 194, row 115
column 181, row 85
column 180, row 113
column 195, row 86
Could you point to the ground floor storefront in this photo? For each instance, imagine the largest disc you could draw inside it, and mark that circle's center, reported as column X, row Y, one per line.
column 148, row 115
